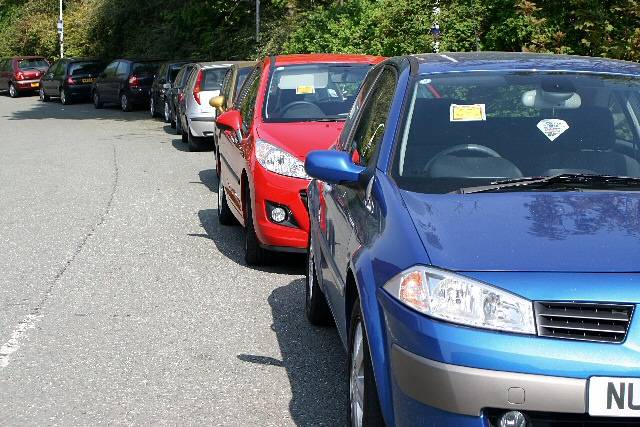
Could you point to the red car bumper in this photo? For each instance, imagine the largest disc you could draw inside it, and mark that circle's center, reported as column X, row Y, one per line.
column 25, row 85
column 269, row 190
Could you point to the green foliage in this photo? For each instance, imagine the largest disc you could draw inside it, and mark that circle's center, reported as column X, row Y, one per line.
column 225, row 29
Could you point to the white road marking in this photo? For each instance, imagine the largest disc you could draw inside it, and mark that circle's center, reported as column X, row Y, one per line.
column 17, row 336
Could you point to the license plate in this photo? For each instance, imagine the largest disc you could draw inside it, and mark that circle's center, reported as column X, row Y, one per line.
column 35, row 84
column 614, row 397
column 88, row 80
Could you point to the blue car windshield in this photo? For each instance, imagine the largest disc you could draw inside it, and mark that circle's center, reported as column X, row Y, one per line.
column 477, row 128
column 313, row 92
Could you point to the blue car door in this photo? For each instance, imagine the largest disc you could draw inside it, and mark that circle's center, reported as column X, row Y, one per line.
column 345, row 211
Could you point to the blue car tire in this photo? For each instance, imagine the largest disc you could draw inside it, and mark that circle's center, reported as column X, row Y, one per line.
column 316, row 307
column 364, row 405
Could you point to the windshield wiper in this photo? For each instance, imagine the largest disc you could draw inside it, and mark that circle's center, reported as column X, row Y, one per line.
column 561, row 182
column 327, row 119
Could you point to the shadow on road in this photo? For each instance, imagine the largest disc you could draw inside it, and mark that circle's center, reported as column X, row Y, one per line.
column 79, row 111
column 179, row 145
column 209, row 178
column 313, row 358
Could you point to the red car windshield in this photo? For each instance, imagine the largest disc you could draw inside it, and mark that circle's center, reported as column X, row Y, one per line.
column 313, row 92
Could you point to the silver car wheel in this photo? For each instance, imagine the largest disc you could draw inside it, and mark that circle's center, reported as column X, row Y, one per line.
column 124, row 102
column 311, row 268
column 356, row 377
column 12, row 91
column 152, row 107
column 63, row 97
column 41, row 92
column 167, row 112
column 220, row 195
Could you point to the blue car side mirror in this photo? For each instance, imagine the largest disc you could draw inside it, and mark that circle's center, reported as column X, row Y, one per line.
column 335, row 167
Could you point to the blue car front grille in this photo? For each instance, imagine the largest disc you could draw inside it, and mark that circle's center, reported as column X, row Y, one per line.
column 599, row 322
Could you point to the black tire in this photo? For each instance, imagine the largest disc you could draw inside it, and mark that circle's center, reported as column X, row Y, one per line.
column 97, row 102
column 184, row 136
column 178, row 125
column 371, row 412
column 316, row 307
column 225, row 216
column 218, row 164
column 64, row 98
column 13, row 91
column 125, row 103
column 43, row 96
column 195, row 143
column 254, row 254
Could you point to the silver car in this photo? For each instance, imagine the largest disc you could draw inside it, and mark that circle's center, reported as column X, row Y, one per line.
column 195, row 115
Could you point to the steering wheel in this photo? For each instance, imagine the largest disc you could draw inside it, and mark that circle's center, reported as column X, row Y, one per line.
column 297, row 104
column 461, row 148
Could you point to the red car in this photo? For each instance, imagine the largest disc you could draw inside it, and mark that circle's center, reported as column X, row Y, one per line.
column 288, row 106
column 22, row 74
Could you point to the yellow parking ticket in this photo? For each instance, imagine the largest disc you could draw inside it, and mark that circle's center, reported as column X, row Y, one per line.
column 304, row 90
column 467, row 113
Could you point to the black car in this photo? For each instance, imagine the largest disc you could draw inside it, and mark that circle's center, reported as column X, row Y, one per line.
column 175, row 90
column 126, row 82
column 70, row 79
column 166, row 74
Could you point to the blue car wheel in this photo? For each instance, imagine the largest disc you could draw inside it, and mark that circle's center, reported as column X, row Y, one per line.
column 316, row 306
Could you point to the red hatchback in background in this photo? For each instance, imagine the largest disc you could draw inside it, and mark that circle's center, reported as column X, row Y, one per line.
column 22, row 74
column 288, row 106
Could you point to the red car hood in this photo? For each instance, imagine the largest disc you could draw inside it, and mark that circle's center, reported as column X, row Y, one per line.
column 301, row 137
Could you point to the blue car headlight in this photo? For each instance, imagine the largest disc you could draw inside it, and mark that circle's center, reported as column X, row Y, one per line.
column 458, row 299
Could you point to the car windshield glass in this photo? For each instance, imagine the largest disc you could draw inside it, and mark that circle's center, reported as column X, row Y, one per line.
column 212, row 78
column 474, row 129
column 32, row 63
column 144, row 68
column 78, row 68
column 313, row 92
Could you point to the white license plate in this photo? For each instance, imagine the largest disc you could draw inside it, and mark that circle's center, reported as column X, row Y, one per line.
column 614, row 397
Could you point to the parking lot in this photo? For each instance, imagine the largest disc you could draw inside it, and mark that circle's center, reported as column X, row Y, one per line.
column 123, row 301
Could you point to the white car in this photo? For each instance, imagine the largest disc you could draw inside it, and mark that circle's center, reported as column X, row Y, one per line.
column 195, row 118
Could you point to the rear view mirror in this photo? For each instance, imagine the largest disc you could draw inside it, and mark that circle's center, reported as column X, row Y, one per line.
column 335, row 167
column 230, row 119
column 217, row 102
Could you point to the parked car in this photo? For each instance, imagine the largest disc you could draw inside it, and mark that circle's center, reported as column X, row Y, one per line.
column 231, row 85
column 474, row 237
column 174, row 91
column 194, row 114
column 126, row 82
column 21, row 74
column 166, row 74
column 289, row 105
column 70, row 79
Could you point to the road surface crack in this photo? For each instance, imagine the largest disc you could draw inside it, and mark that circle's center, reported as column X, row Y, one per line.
column 19, row 333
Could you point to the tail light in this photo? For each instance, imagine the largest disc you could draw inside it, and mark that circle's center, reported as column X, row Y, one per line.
column 133, row 81
column 70, row 81
column 198, row 87
column 19, row 75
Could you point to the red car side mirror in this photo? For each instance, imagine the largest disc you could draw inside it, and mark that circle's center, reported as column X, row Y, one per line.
column 230, row 119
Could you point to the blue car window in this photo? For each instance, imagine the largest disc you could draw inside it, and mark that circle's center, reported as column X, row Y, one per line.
column 371, row 126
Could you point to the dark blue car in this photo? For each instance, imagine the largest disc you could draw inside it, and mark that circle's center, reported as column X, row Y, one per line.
column 475, row 237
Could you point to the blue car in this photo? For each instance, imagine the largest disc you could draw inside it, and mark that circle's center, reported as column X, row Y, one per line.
column 475, row 237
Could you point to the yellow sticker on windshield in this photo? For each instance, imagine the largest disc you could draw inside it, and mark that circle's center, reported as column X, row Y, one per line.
column 467, row 113
column 304, row 90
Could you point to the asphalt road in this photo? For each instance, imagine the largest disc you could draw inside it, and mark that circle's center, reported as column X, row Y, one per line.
column 123, row 301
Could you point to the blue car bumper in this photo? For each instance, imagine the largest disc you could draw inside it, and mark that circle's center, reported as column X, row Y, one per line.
column 445, row 374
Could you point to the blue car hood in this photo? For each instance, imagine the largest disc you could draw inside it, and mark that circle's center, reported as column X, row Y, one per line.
column 541, row 232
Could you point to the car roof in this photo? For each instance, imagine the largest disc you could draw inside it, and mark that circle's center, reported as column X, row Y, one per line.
column 83, row 60
column 326, row 58
column 217, row 63
column 514, row 61
column 138, row 60
column 19, row 58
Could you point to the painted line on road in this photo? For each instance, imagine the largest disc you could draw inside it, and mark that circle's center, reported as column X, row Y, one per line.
column 19, row 334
